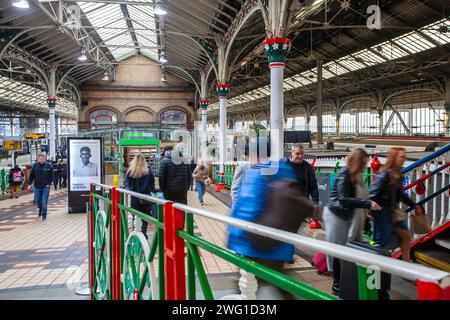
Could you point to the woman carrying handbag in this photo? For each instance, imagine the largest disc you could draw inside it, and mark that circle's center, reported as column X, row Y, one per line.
column 139, row 178
column 387, row 190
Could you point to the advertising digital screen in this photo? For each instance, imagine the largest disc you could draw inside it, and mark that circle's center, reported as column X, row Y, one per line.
column 84, row 163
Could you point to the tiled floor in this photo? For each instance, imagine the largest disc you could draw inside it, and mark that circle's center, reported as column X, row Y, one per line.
column 37, row 255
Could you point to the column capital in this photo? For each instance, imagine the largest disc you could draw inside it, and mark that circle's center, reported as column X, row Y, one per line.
column 276, row 50
column 51, row 102
column 204, row 104
column 222, row 89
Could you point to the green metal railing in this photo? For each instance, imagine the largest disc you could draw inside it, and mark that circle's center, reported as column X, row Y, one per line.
column 122, row 262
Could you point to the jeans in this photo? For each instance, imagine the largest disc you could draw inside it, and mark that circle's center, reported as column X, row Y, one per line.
column 41, row 199
column 200, row 186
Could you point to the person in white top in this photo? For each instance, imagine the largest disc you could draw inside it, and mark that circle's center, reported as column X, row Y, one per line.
column 86, row 168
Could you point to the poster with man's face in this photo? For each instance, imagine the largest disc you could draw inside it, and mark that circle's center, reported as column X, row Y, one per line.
column 85, row 164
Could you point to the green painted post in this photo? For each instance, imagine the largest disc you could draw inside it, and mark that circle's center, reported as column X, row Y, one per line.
column 190, row 261
column 2, row 181
column 161, row 282
column 364, row 292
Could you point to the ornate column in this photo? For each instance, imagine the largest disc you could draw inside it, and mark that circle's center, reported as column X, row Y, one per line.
column 276, row 50
column 203, row 108
column 222, row 90
column 51, row 102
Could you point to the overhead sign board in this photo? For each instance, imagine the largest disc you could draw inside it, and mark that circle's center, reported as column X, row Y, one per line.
column 11, row 145
column 35, row 136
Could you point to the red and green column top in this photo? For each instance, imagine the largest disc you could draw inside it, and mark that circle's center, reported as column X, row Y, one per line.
column 276, row 50
column 222, row 89
column 51, row 102
column 204, row 104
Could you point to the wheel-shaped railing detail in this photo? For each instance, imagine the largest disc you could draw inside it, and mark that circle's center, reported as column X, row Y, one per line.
column 102, row 258
column 138, row 277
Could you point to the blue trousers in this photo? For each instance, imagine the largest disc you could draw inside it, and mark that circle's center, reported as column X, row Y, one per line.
column 200, row 186
column 41, row 199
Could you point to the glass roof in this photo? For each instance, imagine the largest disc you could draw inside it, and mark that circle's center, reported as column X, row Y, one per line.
column 402, row 46
column 110, row 22
column 35, row 98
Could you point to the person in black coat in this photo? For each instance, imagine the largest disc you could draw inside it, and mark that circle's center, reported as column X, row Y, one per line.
column 341, row 206
column 304, row 172
column 139, row 178
column 174, row 176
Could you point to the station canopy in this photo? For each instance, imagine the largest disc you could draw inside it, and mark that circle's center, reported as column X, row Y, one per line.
column 411, row 47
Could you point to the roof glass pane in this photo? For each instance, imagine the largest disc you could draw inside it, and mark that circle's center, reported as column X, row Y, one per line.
column 390, row 51
column 433, row 32
column 413, row 42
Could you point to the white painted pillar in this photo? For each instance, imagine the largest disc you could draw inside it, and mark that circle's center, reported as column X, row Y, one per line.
column 276, row 50
column 51, row 101
column 222, row 132
column 276, row 111
column 203, row 134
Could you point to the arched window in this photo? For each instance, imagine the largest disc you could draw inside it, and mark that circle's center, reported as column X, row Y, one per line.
column 173, row 118
column 103, row 118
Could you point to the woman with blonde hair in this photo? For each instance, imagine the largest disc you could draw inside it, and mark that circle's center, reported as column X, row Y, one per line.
column 200, row 174
column 139, row 178
column 387, row 190
column 342, row 214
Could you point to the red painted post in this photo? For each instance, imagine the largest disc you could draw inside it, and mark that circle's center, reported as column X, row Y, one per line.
column 174, row 254
column 375, row 164
column 115, row 244
column 91, row 242
column 432, row 291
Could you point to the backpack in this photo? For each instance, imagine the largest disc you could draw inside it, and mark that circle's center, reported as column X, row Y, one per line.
column 285, row 209
column 17, row 177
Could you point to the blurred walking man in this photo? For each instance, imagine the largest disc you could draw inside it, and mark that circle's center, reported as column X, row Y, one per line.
column 42, row 176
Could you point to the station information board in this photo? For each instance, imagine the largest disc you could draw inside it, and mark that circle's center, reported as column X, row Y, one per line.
column 35, row 136
column 12, row 145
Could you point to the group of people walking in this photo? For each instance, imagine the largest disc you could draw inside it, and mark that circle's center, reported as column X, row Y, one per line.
column 350, row 203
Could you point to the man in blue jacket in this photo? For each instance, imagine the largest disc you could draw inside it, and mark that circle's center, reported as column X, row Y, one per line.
column 42, row 176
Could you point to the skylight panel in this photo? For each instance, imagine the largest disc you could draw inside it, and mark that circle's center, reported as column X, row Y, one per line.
column 432, row 31
column 368, row 57
column 390, row 51
column 336, row 68
column 350, row 63
column 109, row 21
column 413, row 42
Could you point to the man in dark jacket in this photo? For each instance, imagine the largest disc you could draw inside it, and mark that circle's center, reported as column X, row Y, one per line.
column 304, row 172
column 174, row 178
column 42, row 176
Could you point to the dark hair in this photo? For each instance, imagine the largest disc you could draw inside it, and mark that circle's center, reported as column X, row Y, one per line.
column 85, row 149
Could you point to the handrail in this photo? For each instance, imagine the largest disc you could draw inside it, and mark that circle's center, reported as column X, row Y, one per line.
column 102, row 185
column 396, row 267
column 143, row 196
column 426, row 159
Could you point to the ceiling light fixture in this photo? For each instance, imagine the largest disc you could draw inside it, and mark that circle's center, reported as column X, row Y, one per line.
column 83, row 56
column 23, row 4
column 159, row 10
column 105, row 76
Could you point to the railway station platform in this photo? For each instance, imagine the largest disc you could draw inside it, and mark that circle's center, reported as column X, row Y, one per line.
column 49, row 259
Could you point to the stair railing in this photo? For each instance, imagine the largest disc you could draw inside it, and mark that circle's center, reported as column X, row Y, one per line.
column 430, row 178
